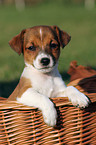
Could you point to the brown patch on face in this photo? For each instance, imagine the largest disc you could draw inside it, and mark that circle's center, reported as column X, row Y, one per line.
column 41, row 39
column 63, row 37
column 31, row 39
column 23, row 85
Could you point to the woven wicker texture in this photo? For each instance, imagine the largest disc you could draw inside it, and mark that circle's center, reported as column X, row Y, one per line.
column 22, row 125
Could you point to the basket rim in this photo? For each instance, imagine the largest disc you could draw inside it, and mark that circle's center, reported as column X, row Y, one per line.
column 59, row 101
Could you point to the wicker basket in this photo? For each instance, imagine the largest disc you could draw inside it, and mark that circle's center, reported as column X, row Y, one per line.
column 22, row 125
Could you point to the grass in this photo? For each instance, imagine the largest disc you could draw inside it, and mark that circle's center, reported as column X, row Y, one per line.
column 79, row 22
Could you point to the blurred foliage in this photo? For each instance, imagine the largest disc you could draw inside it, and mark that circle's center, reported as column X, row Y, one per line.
column 31, row 2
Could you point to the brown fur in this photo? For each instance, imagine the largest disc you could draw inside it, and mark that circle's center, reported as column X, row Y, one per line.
column 23, row 85
column 17, row 42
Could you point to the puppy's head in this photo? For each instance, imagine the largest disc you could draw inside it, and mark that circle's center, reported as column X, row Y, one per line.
column 40, row 46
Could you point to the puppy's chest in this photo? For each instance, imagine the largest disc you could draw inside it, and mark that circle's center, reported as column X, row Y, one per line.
column 43, row 84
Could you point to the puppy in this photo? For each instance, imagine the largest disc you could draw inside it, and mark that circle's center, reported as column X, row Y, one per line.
column 40, row 79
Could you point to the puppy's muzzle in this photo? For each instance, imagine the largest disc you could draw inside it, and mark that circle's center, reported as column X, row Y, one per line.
column 45, row 61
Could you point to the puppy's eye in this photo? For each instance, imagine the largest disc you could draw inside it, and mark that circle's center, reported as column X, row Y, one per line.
column 32, row 48
column 53, row 45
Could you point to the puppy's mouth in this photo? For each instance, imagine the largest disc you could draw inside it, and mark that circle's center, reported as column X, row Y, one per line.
column 44, row 63
column 42, row 68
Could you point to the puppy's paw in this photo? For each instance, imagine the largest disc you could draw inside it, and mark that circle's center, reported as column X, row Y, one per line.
column 50, row 115
column 77, row 98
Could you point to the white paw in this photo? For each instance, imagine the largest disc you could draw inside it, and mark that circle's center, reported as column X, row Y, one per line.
column 50, row 115
column 76, row 97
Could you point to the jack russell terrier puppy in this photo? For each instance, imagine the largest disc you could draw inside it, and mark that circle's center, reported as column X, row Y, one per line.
column 40, row 79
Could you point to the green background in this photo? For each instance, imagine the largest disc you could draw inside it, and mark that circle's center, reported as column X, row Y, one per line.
column 74, row 18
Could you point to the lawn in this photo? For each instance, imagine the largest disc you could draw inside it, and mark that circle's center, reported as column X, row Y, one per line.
column 79, row 22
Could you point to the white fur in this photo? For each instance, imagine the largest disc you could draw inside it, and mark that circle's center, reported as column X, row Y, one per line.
column 76, row 97
column 46, row 85
column 33, row 98
column 41, row 34
column 37, row 62
column 41, row 38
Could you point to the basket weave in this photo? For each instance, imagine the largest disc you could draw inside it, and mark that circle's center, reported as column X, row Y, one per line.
column 22, row 125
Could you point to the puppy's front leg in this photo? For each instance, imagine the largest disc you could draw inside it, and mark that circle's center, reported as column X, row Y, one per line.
column 75, row 96
column 35, row 99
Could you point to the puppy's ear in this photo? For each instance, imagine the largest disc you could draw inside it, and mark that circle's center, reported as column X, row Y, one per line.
column 63, row 37
column 16, row 42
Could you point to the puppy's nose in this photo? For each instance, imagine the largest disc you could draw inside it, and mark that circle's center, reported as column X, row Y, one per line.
column 45, row 61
